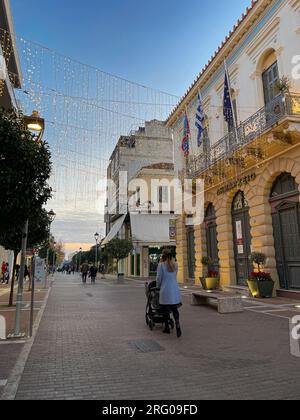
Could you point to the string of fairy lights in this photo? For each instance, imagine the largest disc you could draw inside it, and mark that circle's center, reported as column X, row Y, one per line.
column 86, row 111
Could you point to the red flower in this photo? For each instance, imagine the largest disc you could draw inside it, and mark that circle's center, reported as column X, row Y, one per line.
column 213, row 274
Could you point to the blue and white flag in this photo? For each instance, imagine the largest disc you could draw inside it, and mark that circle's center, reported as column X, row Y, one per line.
column 228, row 108
column 200, row 121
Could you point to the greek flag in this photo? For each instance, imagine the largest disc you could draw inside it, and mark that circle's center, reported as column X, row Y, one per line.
column 200, row 119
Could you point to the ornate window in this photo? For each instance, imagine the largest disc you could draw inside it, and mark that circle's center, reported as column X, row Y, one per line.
column 284, row 184
column 240, row 202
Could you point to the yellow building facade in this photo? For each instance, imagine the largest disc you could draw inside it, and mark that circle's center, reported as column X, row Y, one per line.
column 251, row 174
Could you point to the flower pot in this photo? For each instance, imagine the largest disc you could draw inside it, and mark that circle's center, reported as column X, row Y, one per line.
column 210, row 283
column 261, row 289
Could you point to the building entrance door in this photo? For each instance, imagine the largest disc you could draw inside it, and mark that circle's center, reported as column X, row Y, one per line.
column 191, row 253
column 286, row 223
column 241, row 238
column 212, row 237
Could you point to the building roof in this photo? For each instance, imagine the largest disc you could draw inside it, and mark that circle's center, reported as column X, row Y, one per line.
column 256, row 7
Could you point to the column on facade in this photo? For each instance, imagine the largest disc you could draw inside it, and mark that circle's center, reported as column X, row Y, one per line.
column 261, row 223
column 225, row 243
column 182, row 249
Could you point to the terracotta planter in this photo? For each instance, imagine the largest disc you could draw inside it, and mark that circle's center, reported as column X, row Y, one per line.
column 261, row 289
column 210, row 283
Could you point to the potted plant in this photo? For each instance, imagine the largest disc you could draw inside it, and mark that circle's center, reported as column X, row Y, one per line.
column 260, row 283
column 211, row 281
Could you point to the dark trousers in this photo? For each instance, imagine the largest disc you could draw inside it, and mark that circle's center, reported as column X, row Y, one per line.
column 84, row 277
column 167, row 309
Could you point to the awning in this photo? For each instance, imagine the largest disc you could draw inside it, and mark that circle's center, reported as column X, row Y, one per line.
column 151, row 229
column 115, row 230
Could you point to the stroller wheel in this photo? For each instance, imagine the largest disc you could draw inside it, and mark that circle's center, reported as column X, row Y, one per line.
column 172, row 324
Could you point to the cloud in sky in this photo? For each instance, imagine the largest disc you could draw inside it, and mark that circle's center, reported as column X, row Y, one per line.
column 77, row 228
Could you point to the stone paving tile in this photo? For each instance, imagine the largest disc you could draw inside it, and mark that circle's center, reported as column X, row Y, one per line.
column 82, row 351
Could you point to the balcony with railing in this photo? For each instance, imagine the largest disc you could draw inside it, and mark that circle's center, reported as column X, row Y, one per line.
column 235, row 147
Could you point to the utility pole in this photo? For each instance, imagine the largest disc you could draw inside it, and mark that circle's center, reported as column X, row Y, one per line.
column 17, row 333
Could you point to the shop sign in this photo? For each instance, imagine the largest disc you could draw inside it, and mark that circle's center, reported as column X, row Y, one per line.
column 39, row 271
column 238, row 183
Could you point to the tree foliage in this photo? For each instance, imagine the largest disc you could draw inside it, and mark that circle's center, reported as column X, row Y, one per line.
column 24, row 172
column 90, row 256
column 119, row 249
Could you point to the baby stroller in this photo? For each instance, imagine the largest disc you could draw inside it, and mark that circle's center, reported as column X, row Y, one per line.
column 154, row 313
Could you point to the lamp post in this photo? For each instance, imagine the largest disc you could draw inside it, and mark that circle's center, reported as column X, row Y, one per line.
column 80, row 251
column 54, row 257
column 36, row 126
column 52, row 216
column 97, row 240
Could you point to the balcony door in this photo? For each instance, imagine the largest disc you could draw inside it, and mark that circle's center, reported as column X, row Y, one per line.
column 241, row 238
column 270, row 79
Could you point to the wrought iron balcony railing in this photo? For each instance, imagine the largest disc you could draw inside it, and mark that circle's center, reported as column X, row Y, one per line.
column 252, row 128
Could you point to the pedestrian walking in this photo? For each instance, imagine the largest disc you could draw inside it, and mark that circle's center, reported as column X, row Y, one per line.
column 93, row 274
column 26, row 273
column 170, row 297
column 102, row 271
column 84, row 271
column 17, row 271
column 6, row 275
column 3, row 270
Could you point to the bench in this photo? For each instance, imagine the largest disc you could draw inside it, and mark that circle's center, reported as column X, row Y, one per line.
column 227, row 303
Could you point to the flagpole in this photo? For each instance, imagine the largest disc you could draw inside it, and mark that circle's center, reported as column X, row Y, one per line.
column 230, row 95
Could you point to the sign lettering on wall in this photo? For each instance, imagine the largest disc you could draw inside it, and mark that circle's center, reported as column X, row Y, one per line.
column 238, row 183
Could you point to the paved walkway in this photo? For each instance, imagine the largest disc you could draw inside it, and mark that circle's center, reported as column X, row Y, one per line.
column 92, row 344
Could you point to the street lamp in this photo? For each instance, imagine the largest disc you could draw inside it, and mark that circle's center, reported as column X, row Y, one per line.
column 80, row 251
column 36, row 126
column 54, row 256
column 52, row 217
column 96, row 239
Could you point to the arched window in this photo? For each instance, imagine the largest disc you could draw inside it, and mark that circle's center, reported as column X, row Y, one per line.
column 284, row 185
column 270, row 75
column 240, row 202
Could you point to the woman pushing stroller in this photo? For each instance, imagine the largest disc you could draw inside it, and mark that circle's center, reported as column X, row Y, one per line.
column 170, row 297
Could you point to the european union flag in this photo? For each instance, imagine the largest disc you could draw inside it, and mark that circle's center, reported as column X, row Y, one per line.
column 228, row 107
column 200, row 120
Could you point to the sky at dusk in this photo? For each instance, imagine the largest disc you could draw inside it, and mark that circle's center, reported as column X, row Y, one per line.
column 160, row 43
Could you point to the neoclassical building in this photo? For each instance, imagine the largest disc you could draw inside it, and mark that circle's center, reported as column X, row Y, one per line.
column 252, row 173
